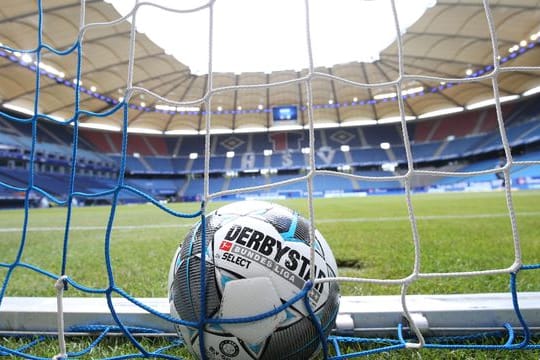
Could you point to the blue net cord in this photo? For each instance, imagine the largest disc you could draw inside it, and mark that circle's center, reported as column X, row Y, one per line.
column 67, row 202
column 22, row 349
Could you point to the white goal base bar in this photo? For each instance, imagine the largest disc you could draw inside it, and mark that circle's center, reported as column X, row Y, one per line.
column 368, row 316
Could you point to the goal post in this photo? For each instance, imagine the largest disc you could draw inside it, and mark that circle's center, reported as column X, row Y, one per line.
column 384, row 322
column 363, row 316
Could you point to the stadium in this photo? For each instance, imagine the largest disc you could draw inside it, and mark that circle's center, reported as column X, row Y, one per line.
column 412, row 163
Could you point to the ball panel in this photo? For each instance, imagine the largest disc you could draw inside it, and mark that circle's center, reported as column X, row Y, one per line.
column 301, row 339
column 298, row 341
column 262, row 298
column 280, row 217
column 301, row 232
column 326, row 252
column 186, row 290
column 186, row 249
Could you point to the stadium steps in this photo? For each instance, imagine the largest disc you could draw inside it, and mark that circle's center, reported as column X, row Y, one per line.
column 183, row 188
column 111, row 143
column 189, row 165
column 8, row 127
column 479, row 122
column 226, row 184
column 362, row 137
column 7, row 176
column 267, row 162
column 52, row 135
column 150, row 146
column 401, row 182
column 525, row 112
column 8, row 139
column 355, row 185
column 228, row 162
column 145, row 164
column 440, row 149
column 433, row 131
column 323, row 139
column 482, row 143
column 177, row 146
column 214, row 142
column 348, row 157
column 525, row 134
column 89, row 145
column 527, row 170
column 249, row 145
column 426, row 180
column 306, row 160
column 391, row 155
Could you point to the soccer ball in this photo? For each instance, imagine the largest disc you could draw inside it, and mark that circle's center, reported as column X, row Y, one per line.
column 257, row 258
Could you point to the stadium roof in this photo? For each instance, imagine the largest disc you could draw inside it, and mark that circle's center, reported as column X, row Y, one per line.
column 450, row 41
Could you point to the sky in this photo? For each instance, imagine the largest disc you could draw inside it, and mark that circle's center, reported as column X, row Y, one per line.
column 271, row 35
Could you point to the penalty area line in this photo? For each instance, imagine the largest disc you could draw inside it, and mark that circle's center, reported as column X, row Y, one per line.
column 318, row 221
column 429, row 217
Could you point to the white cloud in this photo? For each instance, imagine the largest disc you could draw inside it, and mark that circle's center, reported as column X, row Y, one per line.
column 270, row 35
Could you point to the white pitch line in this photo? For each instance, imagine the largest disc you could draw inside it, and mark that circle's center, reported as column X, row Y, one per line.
column 319, row 221
column 85, row 228
column 430, row 217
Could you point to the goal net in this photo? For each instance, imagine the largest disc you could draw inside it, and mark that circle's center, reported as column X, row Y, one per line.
column 489, row 299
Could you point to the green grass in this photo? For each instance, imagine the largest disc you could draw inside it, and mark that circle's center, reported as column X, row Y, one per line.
column 371, row 238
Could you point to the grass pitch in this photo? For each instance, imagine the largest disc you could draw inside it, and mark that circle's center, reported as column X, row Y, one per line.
column 371, row 237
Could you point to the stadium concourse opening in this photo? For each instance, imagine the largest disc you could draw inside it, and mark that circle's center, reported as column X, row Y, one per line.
column 171, row 168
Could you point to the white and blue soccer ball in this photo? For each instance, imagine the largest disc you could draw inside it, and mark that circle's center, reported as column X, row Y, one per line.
column 257, row 258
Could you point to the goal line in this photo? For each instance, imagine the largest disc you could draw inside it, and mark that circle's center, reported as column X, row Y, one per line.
column 319, row 221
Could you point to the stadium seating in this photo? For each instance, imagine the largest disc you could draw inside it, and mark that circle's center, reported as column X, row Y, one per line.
column 375, row 135
column 369, row 156
column 457, row 138
column 157, row 187
column 326, row 183
column 100, row 141
column 246, row 181
column 425, row 151
column 9, row 140
column 458, row 147
column 196, row 186
column 161, row 164
column 456, row 125
column 133, row 164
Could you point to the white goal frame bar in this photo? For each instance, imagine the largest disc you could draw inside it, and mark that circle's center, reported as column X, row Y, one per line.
column 368, row 316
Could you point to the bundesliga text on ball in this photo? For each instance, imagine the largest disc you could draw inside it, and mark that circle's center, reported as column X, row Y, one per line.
column 244, row 246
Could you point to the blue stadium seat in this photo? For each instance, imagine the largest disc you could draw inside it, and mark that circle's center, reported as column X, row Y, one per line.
column 369, row 156
column 425, row 151
column 246, row 181
column 160, row 164
column 375, row 135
